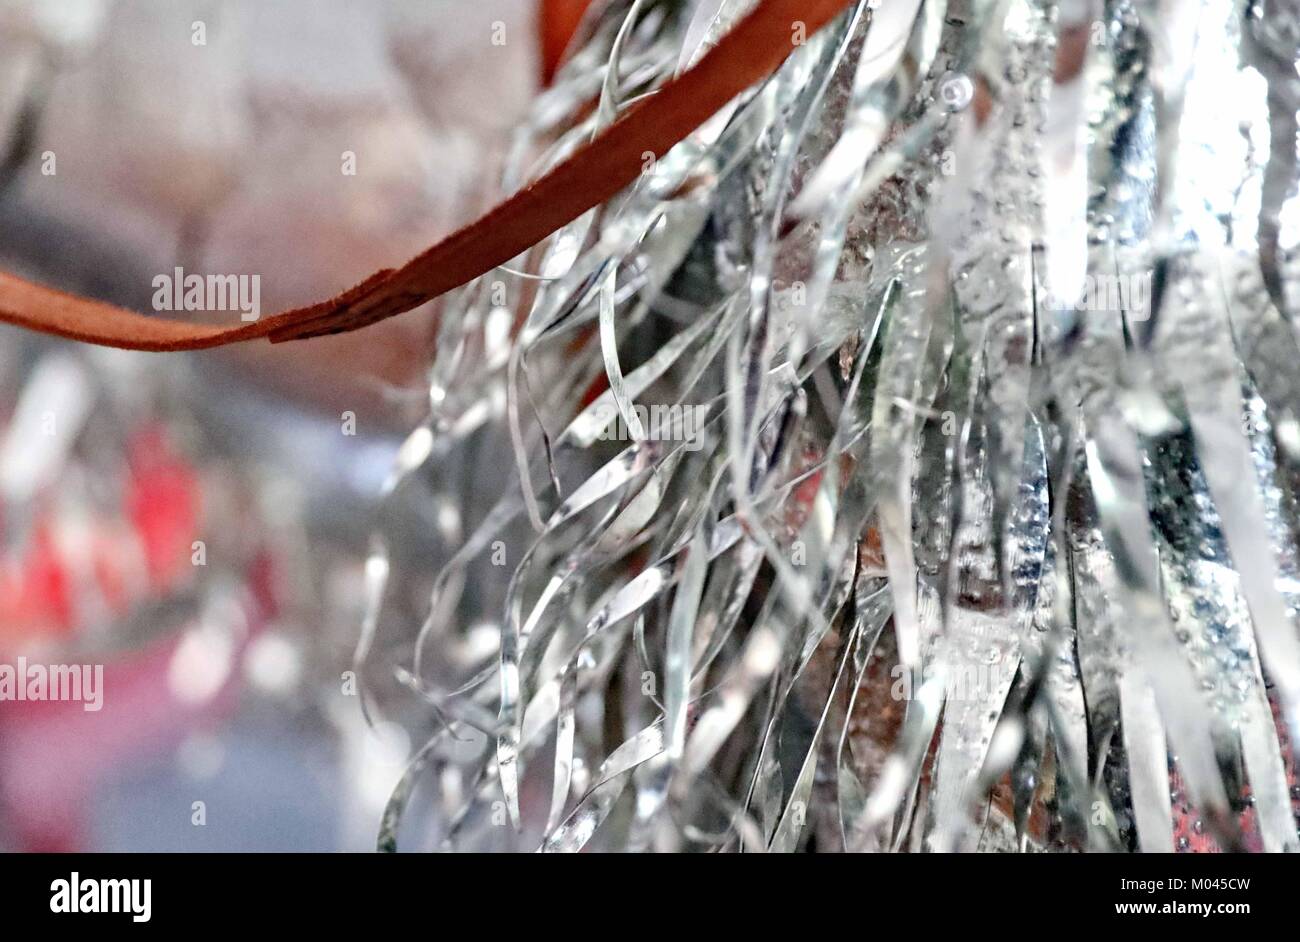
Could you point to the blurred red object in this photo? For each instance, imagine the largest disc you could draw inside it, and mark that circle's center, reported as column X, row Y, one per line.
column 163, row 504
column 55, row 754
column 160, row 507
column 559, row 20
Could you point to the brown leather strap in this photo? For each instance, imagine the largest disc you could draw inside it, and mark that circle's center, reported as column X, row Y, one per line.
column 593, row 174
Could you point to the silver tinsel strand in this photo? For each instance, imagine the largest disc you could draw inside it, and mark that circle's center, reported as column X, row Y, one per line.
column 909, row 460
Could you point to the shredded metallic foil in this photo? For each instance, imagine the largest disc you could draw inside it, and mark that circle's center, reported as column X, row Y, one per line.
column 908, row 461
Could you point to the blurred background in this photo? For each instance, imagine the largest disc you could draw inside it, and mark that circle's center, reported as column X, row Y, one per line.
column 198, row 524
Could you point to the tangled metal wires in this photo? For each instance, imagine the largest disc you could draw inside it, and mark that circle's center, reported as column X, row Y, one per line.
column 906, row 461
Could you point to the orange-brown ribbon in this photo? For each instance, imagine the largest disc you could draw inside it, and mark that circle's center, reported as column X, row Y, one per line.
column 593, row 174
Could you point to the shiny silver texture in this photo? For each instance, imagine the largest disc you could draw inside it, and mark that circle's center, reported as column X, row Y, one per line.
column 987, row 536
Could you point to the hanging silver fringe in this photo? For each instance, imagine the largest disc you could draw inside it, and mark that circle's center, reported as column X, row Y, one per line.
column 908, row 461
